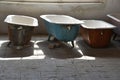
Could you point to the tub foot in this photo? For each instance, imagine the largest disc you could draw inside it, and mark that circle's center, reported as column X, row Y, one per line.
column 49, row 36
column 72, row 44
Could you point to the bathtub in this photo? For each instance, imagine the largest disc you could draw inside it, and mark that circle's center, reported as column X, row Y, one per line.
column 62, row 27
column 20, row 29
column 115, row 20
column 96, row 33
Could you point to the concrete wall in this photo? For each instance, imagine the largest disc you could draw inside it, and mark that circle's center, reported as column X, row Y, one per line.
column 77, row 10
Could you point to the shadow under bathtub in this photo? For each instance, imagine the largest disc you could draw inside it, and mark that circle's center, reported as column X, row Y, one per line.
column 9, row 52
column 112, row 50
column 62, row 52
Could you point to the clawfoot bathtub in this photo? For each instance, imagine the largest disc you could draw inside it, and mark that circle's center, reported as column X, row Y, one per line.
column 62, row 27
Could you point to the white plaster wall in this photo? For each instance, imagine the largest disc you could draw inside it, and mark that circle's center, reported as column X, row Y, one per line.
column 77, row 10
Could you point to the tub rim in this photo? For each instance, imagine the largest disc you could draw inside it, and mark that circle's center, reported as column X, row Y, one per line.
column 114, row 17
column 67, row 23
column 8, row 20
column 87, row 26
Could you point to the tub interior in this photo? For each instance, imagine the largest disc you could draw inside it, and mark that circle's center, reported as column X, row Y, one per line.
column 61, row 19
column 96, row 24
column 21, row 20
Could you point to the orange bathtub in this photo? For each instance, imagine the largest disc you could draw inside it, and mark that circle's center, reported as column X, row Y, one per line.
column 96, row 33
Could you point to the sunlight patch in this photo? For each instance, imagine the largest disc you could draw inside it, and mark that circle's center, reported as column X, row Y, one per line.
column 3, row 41
column 36, row 46
column 34, row 57
column 10, row 58
column 86, row 58
column 38, row 52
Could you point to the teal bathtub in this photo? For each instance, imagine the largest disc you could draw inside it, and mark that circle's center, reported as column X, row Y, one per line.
column 62, row 27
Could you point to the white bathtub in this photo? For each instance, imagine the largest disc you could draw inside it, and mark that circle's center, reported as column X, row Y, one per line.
column 20, row 29
column 21, row 20
column 97, row 24
column 60, row 19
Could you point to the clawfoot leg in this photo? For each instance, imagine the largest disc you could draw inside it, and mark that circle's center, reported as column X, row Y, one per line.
column 49, row 36
column 72, row 44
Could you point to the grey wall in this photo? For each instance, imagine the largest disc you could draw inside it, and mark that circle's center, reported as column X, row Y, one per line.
column 77, row 10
